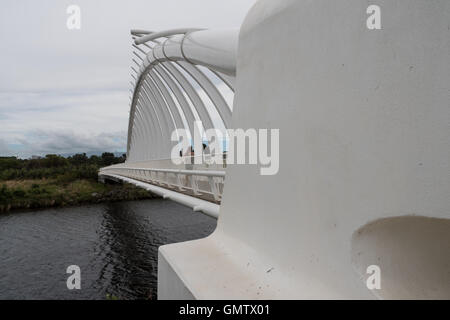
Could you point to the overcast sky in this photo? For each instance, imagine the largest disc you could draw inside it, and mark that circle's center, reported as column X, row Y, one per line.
column 65, row 91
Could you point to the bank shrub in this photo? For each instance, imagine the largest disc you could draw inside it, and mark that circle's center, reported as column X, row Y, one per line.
column 5, row 194
column 19, row 193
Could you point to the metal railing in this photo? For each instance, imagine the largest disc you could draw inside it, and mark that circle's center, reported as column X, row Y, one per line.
column 205, row 184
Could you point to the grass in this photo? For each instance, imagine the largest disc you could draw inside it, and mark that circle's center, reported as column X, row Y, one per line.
column 57, row 181
column 42, row 193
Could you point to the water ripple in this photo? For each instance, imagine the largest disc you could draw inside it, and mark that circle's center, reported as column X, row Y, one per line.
column 115, row 245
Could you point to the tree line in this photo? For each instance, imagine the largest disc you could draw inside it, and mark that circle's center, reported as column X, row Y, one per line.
column 78, row 166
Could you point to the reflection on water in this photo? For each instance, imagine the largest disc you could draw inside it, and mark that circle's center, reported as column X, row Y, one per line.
column 115, row 245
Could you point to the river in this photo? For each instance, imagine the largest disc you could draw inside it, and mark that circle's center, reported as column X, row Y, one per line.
column 114, row 244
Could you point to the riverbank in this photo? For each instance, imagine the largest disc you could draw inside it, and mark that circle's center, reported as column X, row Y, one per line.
column 46, row 193
column 55, row 181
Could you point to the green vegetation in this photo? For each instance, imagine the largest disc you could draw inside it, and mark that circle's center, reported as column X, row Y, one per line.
column 58, row 181
column 78, row 166
column 111, row 297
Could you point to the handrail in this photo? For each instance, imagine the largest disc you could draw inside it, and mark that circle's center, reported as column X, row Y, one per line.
column 206, row 173
column 190, row 181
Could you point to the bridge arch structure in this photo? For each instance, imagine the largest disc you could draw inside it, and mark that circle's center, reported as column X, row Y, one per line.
column 177, row 76
column 180, row 77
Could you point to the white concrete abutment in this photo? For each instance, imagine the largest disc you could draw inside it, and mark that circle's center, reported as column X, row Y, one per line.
column 363, row 118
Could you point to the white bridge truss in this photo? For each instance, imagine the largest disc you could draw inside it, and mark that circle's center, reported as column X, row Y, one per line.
column 180, row 76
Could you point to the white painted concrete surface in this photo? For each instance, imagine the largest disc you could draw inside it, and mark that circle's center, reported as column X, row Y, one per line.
column 364, row 128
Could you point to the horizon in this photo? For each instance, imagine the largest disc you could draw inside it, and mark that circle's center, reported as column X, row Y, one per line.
column 65, row 155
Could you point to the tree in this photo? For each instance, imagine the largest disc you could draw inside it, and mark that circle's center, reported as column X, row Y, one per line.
column 79, row 159
column 108, row 158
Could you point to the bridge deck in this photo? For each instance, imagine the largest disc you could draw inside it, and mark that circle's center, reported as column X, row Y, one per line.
column 203, row 196
column 200, row 187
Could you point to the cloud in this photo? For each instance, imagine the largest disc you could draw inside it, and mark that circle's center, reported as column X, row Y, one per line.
column 41, row 142
column 34, row 120
column 4, row 150
column 61, row 90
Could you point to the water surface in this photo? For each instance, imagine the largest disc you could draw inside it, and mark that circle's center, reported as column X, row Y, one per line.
column 114, row 244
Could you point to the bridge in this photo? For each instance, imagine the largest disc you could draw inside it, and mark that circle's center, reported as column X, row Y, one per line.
column 362, row 110
column 181, row 77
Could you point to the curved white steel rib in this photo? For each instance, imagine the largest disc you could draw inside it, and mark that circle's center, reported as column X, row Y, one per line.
column 168, row 83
